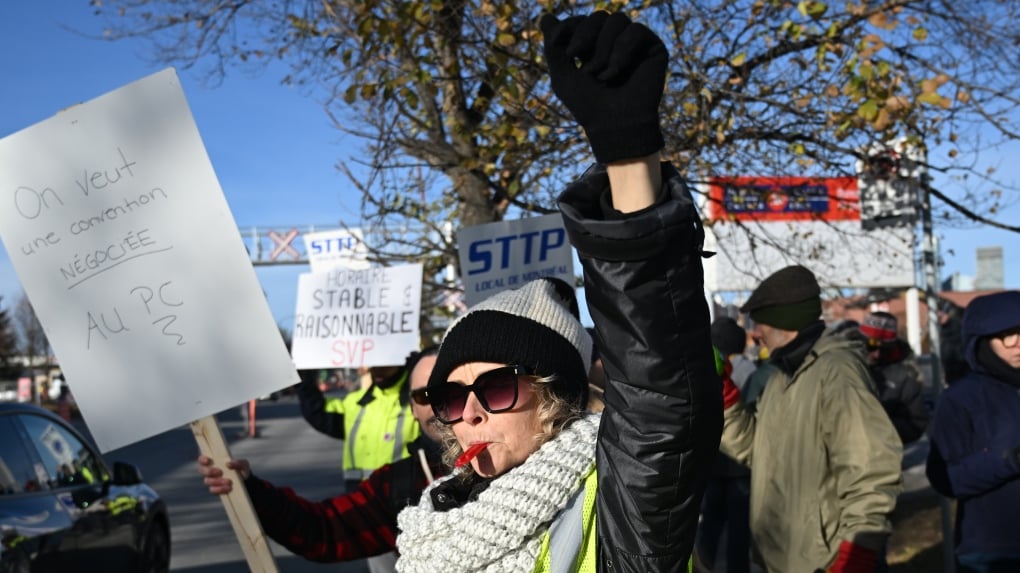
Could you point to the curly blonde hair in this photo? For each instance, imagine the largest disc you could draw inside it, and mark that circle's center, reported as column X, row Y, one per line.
column 554, row 414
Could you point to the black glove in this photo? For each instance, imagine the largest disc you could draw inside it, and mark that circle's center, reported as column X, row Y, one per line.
column 610, row 73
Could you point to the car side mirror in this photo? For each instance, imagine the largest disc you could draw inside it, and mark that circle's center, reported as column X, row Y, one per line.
column 126, row 474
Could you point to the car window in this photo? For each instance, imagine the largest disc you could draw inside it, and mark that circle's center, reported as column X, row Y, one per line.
column 17, row 472
column 66, row 459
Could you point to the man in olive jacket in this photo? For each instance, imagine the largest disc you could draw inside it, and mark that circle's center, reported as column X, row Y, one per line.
column 824, row 458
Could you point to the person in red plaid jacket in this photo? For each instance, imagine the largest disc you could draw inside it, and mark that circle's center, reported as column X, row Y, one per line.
column 355, row 525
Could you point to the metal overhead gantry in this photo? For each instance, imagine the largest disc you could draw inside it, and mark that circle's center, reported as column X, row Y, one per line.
column 279, row 244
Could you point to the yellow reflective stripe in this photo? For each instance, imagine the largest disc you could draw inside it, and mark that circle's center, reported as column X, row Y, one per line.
column 542, row 562
column 384, row 416
column 588, row 557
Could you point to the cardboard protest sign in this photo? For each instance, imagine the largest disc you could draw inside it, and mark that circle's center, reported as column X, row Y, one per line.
column 337, row 248
column 348, row 318
column 121, row 236
column 506, row 254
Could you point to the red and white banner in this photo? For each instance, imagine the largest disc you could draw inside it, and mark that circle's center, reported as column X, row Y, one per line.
column 759, row 225
column 748, row 198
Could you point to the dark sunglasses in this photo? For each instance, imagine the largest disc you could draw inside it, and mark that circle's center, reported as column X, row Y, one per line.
column 420, row 396
column 496, row 391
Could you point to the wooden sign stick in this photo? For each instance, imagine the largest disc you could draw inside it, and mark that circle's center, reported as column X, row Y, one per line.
column 239, row 509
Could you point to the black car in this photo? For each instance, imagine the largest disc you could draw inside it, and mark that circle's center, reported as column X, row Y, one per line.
column 63, row 509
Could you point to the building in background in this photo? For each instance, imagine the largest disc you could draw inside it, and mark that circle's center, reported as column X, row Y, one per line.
column 958, row 282
column 990, row 270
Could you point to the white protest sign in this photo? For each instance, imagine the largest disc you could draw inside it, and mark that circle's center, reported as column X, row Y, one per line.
column 506, row 254
column 337, row 248
column 121, row 236
column 349, row 318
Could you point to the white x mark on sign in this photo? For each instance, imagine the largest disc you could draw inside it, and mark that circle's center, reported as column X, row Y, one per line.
column 283, row 244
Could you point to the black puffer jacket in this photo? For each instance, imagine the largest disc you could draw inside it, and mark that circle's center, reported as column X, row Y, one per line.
column 900, row 390
column 663, row 417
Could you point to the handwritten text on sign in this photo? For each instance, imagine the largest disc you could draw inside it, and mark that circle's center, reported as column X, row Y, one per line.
column 119, row 232
column 158, row 302
column 505, row 255
column 357, row 317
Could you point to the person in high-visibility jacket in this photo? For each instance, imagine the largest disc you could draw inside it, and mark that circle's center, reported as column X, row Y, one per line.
column 375, row 423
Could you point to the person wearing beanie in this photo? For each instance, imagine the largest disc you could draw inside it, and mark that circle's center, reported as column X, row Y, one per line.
column 724, row 509
column 360, row 523
column 896, row 375
column 879, row 328
column 975, row 438
column 730, row 339
column 824, row 457
column 539, row 483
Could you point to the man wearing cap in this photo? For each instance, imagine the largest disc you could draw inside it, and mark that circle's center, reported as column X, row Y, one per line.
column 824, row 458
column 896, row 375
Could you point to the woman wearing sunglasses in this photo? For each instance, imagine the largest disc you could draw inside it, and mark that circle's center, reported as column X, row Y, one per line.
column 541, row 485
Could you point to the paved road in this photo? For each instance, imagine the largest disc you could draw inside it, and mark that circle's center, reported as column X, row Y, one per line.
column 287, row 452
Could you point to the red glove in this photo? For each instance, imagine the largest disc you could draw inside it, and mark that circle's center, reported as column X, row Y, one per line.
column 730, row 392
column 854, row 559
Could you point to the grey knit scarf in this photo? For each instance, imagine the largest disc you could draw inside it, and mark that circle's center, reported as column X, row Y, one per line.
column 502, row 530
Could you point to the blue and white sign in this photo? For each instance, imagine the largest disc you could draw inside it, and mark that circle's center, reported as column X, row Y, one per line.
column 336, row 248
column 506, row 254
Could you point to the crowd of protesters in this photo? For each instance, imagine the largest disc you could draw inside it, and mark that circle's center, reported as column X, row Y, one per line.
column 973, row 457
column 786, row 438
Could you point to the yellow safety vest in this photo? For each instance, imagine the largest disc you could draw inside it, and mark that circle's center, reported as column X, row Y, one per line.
column 563, row 533
column 377, row 433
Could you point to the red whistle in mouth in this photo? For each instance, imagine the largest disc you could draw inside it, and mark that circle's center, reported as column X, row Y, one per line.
column 470, row 454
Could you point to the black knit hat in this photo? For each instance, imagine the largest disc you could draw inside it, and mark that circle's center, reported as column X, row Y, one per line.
column 789, row 298
column 728, row 337
column 535, row 326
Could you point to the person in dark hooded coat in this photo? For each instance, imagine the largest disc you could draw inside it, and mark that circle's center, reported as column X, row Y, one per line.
column 975, row 438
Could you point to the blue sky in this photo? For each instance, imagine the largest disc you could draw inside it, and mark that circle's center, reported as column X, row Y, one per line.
column 273, row 147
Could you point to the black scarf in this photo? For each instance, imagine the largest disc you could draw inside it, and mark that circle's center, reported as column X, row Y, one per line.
column 996, row 366
column 790, row 357
column 458, row 491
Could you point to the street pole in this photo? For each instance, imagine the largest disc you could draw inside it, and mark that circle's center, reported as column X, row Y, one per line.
column 931, row 260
